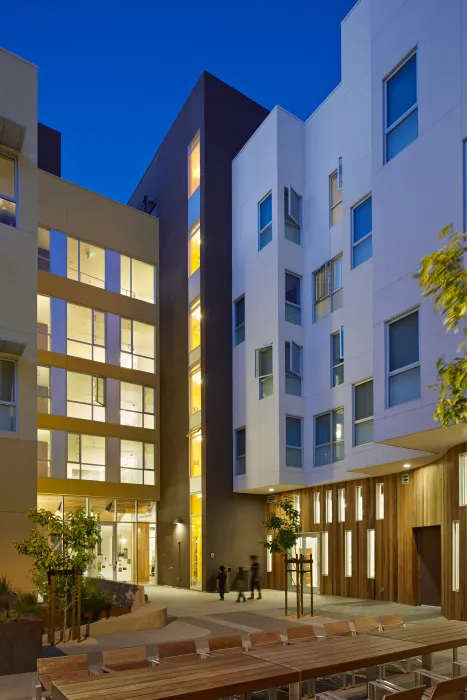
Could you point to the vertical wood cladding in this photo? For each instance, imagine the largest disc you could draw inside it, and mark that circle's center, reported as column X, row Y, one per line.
column 431, row 497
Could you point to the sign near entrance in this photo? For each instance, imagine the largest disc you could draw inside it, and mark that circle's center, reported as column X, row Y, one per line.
column 405, row 478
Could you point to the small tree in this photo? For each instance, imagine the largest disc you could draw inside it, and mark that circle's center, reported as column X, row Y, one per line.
column 285, row 527
column 443, row 278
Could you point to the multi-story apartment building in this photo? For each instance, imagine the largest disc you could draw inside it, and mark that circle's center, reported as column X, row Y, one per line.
column 335, row 351
column 79, row 274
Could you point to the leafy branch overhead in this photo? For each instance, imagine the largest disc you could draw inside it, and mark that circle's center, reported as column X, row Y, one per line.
column 443, row 278
column 284, row 526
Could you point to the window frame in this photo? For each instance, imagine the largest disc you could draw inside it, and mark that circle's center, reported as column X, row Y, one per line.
column 358, row 503
column 455, row 546
column 348, row 559
column 196, row 304
column 328, row 507
column 407, row 113
column 291, row 304
column 379, row 511
column 142, row 413
column 6, row 197
column 240, row 329
column 132, row 294
column 132, row 352
column 316, row 507
column 194, row 370
column 371, row 553
column 196, row 228
column 325, row 553
column 261, row 231
column 289, row 368
column 190, row 148
column 359, row 421
column 463, row 479
column 289, row 219
column 80, row 242
column 340, row 333
column 49, row 388
column 264, row 378
column 239, row 457
column 143, row 469
column 12, row 404
column 93, row 404
column 193, row 435
column 333, row 442
column 406, row 368
column 335, row 174
column 295, row 448
column 328, row 267
column 93, row 344
column 367, row 235
column 341, row 505
column 80, row 455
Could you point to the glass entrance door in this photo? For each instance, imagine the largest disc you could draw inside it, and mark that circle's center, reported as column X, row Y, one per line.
column 308, row 546
column 104, row 565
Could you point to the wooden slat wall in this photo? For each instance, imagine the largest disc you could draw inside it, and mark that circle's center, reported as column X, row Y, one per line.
column 430, row 498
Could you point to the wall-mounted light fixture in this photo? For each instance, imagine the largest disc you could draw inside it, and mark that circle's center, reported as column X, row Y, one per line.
column 178, row 521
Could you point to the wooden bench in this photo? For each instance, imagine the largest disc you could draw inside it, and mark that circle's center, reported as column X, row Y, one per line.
column 271, row 638
column 338, row 629
column 302, row 633
column 125, row 659
column 178, row 652
column 226, row 645
column 69, row 669
column 391, row 621
column 364, row 624
column 396, row 694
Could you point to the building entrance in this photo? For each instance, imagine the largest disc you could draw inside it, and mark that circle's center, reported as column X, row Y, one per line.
column 428, row 543
column 307, row 545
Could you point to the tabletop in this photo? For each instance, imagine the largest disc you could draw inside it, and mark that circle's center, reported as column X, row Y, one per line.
column 207, row 679
column 434, row 636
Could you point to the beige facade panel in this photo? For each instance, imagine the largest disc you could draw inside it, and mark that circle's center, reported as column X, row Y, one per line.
column 97, row 489
column 90, row 427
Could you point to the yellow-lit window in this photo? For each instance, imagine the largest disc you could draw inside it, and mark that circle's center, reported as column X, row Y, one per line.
column 85, row 263
column 137, row 279
column 194, row 249
column 85, row 333
column 194, row 165
column 195, row 454
column 195, row 390
column 43, row 453
column 137, row 345
column 195, row 325
column 43, row 323
column 196, row 526
column 43, row 389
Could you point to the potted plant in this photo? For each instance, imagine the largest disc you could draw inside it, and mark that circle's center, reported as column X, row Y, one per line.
column 20, row 643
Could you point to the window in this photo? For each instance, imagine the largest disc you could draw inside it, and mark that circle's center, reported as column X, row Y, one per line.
column 264, row 371
column 293, row 369
column 85, row 333
column 463, row 480
column 348, row 553
column 7, row 190
column 43, row 389
column 361, row 232
column 43, row 249
column 195, row 454
column 137, row 462
column 137, row 345
column 337, row 350
column 239, row 321
column 401, row 108
column 269, row 557
column 293, row 310
column 293, row 442
column 196, row 539
column 328, row 286
column 341, row 505
column 137, row 279
column 195, row 390
column 43, row 453
column 455, row 555
column 335, row 196
column 194, row 249
column 43, row 322
column 85, row 263
column 194, row 165
column 7, row 395
column 358, row 503
column 316, row 507
column 137, row 405
column 240, row 451
column 85, row 396
column 379, row 501
column 363, row 413
column 86, row 457
column 265, row 221
column 292, row 215
column 297, row 506
column 329, row 506
column 195, row 326
column 370, row 554
column 404, row 360
column 325, row 563
column 329, row 437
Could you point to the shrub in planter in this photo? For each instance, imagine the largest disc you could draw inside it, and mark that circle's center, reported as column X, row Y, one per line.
column 20, row 643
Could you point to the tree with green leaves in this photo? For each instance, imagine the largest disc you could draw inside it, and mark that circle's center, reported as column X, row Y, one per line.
column 443, row 278
column 284, row 525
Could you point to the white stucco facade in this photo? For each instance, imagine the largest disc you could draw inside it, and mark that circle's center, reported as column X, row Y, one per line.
column 414, row 195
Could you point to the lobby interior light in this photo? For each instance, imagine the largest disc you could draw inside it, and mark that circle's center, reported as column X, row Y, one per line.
column 407, row 466
column 271, row 489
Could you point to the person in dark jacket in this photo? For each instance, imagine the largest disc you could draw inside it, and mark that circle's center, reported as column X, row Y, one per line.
column 241, row 585
column 221, row 581
column 255, row 577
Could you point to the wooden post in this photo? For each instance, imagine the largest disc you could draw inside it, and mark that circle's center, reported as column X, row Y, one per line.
column 311, row 587
column 297, row 585
column 49, row 609
column 286, row 560
column 302, row 583
column 79, row 606
column 52, row 609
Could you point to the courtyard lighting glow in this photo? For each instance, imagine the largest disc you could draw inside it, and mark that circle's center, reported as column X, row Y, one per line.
column 407, row 466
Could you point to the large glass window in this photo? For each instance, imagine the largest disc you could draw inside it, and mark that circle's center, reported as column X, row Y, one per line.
column 329, row 437
column 43, row 453
column 362, row 226
column 43, row 389
column 195, row 325
column 86, row 457
column 293, row 302
column 85, row 333
column 292, row 215
column 293, row 368
column 328, row 288
column 335, row 200
column 404, row 360
column 240, row 451
column 196, row 458
column 137, row 345
column 196, row 545
column 137, row 464
column 195, row 390
column 7, row 395
column 401, row 108
column 337, row 351
column 239, row 321
column 265, row 221
column 293, row 442
column 363, row 412
column 194, row 249
column 194, row 165
column 7, row 190
column 85, row 395
column 85, row 263
column 43, row 322
column 43, row 249
column 264, row 371
column 136, row 279
column 137, row 405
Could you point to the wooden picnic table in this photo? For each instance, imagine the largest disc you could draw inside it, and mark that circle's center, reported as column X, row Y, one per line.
column 207, row 679
column 432, row 636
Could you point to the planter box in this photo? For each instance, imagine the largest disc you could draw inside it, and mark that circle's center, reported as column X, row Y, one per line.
column 20, row 646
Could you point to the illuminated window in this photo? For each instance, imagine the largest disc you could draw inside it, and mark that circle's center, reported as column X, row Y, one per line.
column 341, row 505
column 196, row 549
column 325, row 566
column 137, row 463
column 370, row 554
column 85, row 263
column 7, row 190
column 463, row 480
column 194, row 165
column 43, row 249
column 196, row 459
column 348, row 553
column 455, row 556
column 269, row 557
column 329, row 437
column 137, row 345
column 86, row 457
column 335, row 196
column 329, row 506
column 328, row 288
column 264, row 371
column 7, row 395
column 43, row 453
column 316, row 508
column 379, row 501
column 195, row 325
column 195, row 390
column 194, row 248
column 137, row 405
column 85, row 395
column 43, row 322
column 137, row 279
column 359, row 503
column 85, row 333
column 43, row 389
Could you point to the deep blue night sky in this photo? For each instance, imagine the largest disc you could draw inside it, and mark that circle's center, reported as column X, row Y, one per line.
column 114, row 75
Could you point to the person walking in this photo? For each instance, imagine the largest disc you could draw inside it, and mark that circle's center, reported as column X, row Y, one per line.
column 221, row 581
column 255, row 577
column 241, row 585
